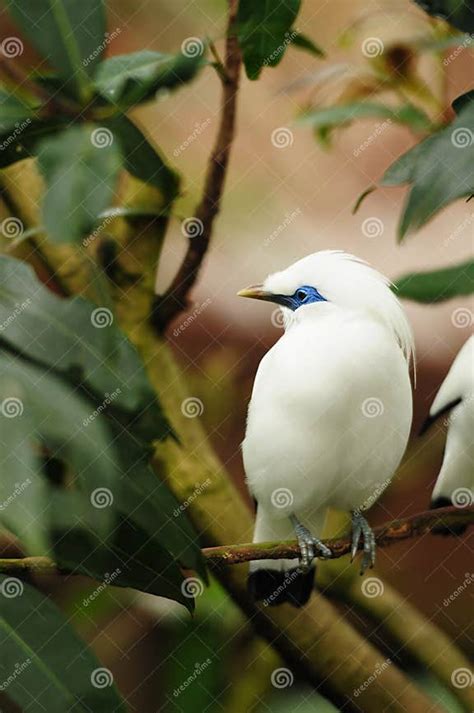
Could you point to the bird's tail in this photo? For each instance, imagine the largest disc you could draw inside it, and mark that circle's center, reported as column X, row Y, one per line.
column 277, row 581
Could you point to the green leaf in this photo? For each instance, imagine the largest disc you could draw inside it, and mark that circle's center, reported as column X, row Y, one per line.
column 23, row 492
column 437, row 285
column 129, row 79
column 47, row 412
column 80, row 167
column 154, row 508
column 141, row 159
column 131, row 557
column 44, row 665
column 303, row 42
column 15, row 114
column 60, row 337
column 78, row 340
column 18, row 145
column 459, row 13
column 67, row 33
column 440, row 169
column 344, row 114
column 263, row 30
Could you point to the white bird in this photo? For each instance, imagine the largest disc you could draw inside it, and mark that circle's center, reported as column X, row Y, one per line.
column 455, row 482
column 330, row 412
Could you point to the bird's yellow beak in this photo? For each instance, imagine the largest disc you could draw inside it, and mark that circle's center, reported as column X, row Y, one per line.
column 256, row 292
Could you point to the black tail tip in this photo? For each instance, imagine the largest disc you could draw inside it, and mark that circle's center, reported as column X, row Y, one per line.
column 443, row 502
column 273, row 587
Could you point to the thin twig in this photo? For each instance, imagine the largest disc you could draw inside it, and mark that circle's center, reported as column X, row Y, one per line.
column 175, row 299
column 385, row 535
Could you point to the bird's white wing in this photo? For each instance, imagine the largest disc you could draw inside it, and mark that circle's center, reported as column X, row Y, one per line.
column 455, row 482
column 329, row 416
column 459, row 382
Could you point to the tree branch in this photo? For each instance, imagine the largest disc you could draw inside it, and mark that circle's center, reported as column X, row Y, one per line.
column 175, row 299
column 385, row 535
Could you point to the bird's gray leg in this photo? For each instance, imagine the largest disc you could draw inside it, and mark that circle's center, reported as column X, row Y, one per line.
column 360, row 526
column 308, row 544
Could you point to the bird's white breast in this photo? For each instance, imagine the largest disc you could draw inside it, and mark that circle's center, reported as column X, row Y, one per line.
column 330, row 413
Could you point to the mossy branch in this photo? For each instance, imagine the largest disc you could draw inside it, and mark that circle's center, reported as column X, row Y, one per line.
column 385, row 535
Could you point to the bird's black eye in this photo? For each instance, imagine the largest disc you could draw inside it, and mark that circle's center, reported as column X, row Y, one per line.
column 301, row 295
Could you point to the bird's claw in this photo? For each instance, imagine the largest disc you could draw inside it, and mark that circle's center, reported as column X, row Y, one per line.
column 310, row 547
column 360, row 527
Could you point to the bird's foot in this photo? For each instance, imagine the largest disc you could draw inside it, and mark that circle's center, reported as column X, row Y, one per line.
column 360, row 527
column 310, row 546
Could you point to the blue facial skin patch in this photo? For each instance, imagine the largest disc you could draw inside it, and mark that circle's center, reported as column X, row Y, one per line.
column 304, row 295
